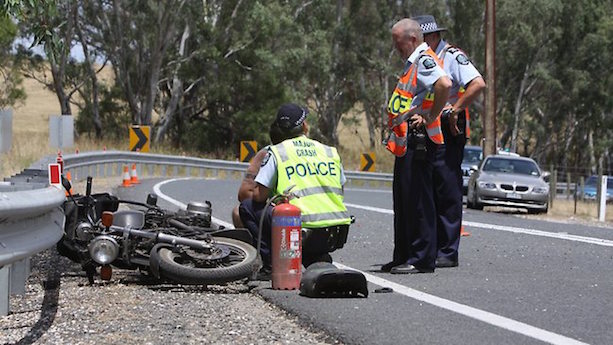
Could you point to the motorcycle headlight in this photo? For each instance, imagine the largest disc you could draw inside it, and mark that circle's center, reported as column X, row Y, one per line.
column 540, row 190
column 103, row 249
column 487, row 185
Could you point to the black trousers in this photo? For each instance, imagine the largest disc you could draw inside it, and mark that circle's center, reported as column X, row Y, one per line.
column 447, row 180
column 316, row 249
column 414, row 210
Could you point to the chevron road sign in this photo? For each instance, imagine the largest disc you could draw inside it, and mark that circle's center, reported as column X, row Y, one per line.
column 139, row 138
column 367, row 161
column 248, row 150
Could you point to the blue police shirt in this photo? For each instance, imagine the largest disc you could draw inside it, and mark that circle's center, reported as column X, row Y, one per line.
column 428, row 72
column 460, row 70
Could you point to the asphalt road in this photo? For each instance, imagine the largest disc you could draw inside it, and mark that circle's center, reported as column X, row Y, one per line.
column 520, row 281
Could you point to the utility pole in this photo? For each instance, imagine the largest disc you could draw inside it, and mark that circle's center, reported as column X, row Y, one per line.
column 489, row 118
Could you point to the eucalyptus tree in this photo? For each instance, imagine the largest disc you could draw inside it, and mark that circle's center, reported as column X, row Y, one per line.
column 135, row 35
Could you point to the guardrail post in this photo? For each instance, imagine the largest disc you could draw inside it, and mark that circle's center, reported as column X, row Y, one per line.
column 4, row 289
column 20, row 270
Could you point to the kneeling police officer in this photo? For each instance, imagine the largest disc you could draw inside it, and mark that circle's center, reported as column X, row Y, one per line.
column 316, row 172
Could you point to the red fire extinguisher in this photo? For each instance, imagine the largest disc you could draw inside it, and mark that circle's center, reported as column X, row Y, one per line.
column 286, row 246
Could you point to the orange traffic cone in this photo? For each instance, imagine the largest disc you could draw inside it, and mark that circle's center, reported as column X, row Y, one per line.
column 463, row 232
column 134, row 175
column 69, row 178
column 126, row 177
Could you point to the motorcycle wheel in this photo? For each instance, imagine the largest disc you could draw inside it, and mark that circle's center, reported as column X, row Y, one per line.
column 180, row 267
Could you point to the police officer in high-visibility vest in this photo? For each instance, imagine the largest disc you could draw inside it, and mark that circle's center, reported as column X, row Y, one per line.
column 415, row 135
column 467, row 83
column 317, row 173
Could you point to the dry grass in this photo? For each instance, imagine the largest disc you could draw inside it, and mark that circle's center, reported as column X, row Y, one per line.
column 585, row 210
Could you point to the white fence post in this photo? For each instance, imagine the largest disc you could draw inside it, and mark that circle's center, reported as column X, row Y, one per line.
column 602, row 202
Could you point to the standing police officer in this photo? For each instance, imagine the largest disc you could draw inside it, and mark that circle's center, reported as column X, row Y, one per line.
column 316, row 172
column 467, row 83
column 415, row 124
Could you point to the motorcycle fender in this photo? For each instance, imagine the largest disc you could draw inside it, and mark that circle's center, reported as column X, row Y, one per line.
column 324, row 280
column 237, row 234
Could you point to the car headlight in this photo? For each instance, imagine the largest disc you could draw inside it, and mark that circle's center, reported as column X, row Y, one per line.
column 540, row 190
column 103, row 249
column 487, row 185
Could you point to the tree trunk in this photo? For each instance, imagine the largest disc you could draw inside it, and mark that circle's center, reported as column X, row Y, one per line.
column 176, row 91
column 367, row 107
column 166, row 26
column 590, row 149
column 94, row 80
column 517, row 111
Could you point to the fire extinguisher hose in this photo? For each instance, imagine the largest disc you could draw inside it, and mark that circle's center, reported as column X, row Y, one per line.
column 259, row 244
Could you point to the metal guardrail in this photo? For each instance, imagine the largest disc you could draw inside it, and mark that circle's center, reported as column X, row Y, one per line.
column 31, row 220
column 110, row 163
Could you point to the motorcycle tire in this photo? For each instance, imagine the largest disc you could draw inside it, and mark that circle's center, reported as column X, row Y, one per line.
column 172, row 265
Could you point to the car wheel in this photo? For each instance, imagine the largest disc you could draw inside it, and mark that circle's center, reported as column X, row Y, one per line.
column 471, row 200
column 469, row 196
column 477, row 205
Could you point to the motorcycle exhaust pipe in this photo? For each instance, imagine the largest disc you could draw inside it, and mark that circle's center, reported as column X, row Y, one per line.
column 163, row 238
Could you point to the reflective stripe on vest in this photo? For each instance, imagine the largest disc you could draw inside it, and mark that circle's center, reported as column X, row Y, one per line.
column 441, row 57
column 315, row 171
column 327, row 216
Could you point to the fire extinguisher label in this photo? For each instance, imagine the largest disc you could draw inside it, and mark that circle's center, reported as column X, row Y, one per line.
column 294, row 239
column 289, row 254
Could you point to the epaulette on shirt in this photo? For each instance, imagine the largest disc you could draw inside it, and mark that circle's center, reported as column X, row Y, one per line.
column 459, row 55
column 426, row 61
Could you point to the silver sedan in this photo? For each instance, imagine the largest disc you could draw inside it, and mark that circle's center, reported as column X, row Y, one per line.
column 508, row 180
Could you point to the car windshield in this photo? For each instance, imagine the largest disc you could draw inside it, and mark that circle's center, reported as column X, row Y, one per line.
column 514, row 166
column 471, row 156
column 591, row 181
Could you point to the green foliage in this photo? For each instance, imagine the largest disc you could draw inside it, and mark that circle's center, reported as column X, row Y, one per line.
column 11, row 91
column 114, row 115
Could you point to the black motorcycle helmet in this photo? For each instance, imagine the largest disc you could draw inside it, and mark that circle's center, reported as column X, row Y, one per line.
column 288, row 123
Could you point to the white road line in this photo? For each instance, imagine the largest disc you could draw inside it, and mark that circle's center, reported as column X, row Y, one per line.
column 158, row 192
column 481, row 315
column 590, row 240
column 474, row 313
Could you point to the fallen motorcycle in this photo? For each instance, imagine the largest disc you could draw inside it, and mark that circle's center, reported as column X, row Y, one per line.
column 181, row 246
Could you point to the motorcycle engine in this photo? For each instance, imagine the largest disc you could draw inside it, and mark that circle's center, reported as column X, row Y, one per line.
column 197, row 214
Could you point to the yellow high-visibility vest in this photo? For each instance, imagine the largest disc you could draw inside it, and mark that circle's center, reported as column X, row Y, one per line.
column 315, row 170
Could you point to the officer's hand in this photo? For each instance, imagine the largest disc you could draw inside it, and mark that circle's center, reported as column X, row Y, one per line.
column 417, row 121
column 452, row 116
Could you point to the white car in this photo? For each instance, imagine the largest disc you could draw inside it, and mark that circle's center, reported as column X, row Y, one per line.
column 508, row 180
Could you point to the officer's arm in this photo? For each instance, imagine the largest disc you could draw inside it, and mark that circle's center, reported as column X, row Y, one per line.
column 245, row 191
column 260, row 193
column 473, row 89
column 441, row 93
